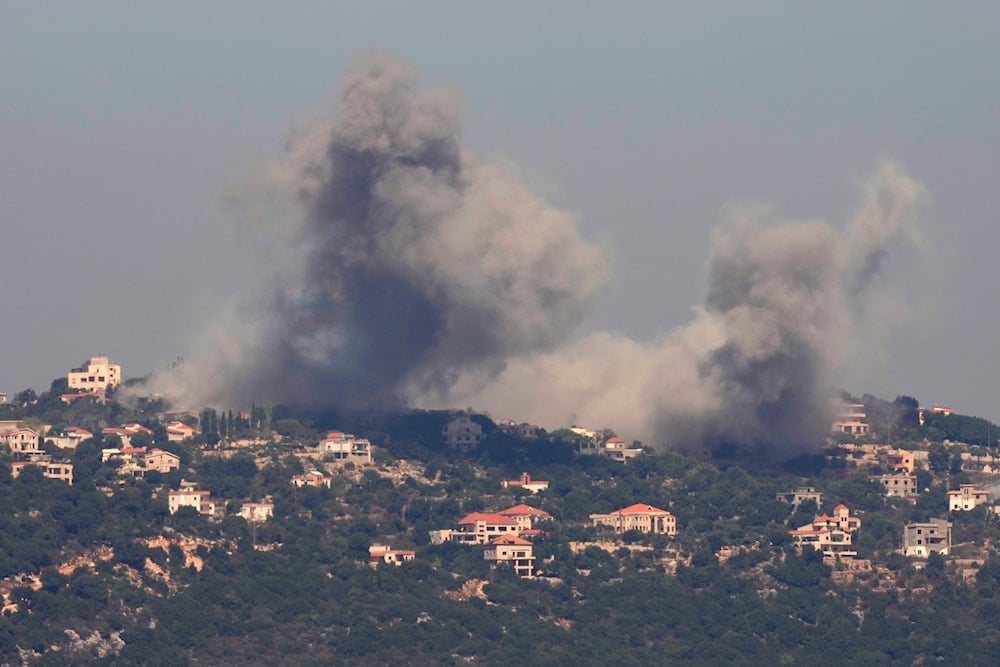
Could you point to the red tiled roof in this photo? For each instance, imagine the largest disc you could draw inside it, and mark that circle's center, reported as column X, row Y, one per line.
column 510, row 539
column 523, row 510
column 641, row 508
column 488, row 518
column 616, row 440
column 841, row 506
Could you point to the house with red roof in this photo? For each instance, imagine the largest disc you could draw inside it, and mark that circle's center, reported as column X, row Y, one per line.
column 833, row 535
column 641, row 517
column 526, row 483
column 312, row 478
column 515, row 551
column 527, row 517
column 179, row 431
column 383, row 553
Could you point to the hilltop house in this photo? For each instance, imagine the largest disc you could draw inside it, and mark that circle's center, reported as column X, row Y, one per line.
column 923, row 539
column 526, row 483
column 967, row 497
column 614, row 448
column 641, row 517
column 515, row 551
column 850, row 419
column 96, row 374
column 833, row 535
column 462, row 432
column 382, row 553
column 345, row 447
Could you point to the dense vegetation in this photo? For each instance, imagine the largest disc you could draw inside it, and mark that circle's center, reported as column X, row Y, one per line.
column 730, row 588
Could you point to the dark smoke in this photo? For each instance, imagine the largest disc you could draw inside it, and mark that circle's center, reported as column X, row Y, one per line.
column 414, row 263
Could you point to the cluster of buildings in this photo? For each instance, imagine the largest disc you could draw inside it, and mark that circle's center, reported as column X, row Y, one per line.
column 137, row 461
column 201, row 501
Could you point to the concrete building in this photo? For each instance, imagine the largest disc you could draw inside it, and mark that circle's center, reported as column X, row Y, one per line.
column 312, row 478
column 161, row 461
column 967, row 497
column 199, row 500
column 897, row 486
column 515, row 551
column 640, row 517
column 96, row 374
column 614, row 448
column 257, row 512
column 800, row 495
column 19, row 439
column 527, row 517
column 179, row 431
column 74, row 435
column 462, row 432
column 347, row 448
column 51, row 470
column 851, row 419
column 923, row 539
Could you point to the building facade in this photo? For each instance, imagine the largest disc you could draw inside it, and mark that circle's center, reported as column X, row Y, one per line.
column 641, row 517
column 923, row 539
column 96, row 374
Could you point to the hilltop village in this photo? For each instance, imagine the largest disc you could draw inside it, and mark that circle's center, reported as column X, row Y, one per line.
column 375, row 535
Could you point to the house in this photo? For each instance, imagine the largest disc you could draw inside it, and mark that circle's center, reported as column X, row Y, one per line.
column 641, row 517
column 614, row 448
column 515, row 551
column 462, row 432
column 257, row 512
column 179, row 431
column 898, row 460
column 312, row 478
column 345, row 447
column 477, row 528
column 381, row 553
column 50, row 469
column 526, row 483
column 833, row 535
column 935, row 410
column 967, row 497
column 161, row 461
column 923, row 539
column 69, row 398
column 74, row 435
column 20, row 439
column 96, row 374
column 800, row 495
column 199, row 500
column 850, row 419
column 897, row 486
column 526, row 516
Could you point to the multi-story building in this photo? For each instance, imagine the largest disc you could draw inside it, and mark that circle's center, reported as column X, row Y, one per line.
column 833, row 535
column 20, row 439
column 851, row 419
column 527, row 517
column 923, row 539
column 199, row 500
column 50, row 469
column 967, row 497
column 641, row 517
column 462, row 432
column 161, row 461
column 179, row 431
column 614, row 448
column 478, row 528
column 312, row 478
column 96, row 374
column 515, row 551
column 897, row 485
column 257, row 512
column 345, row 447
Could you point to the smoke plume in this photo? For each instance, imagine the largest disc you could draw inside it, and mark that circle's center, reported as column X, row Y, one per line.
column 404, row 261
column 403, row 271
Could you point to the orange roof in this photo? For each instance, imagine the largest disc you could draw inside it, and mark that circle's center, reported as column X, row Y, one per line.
column 641, row 508
column 510, row 539
column 523, row 510
column 488, row 518
column 841, row 506
column 615, row 440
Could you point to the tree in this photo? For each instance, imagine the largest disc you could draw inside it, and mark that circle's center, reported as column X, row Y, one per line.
column 938, row 457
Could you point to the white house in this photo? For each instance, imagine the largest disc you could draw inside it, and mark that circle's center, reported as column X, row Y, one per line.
column 96, row 374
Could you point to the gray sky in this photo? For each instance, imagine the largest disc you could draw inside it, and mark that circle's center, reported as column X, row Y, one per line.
column 124, row 125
